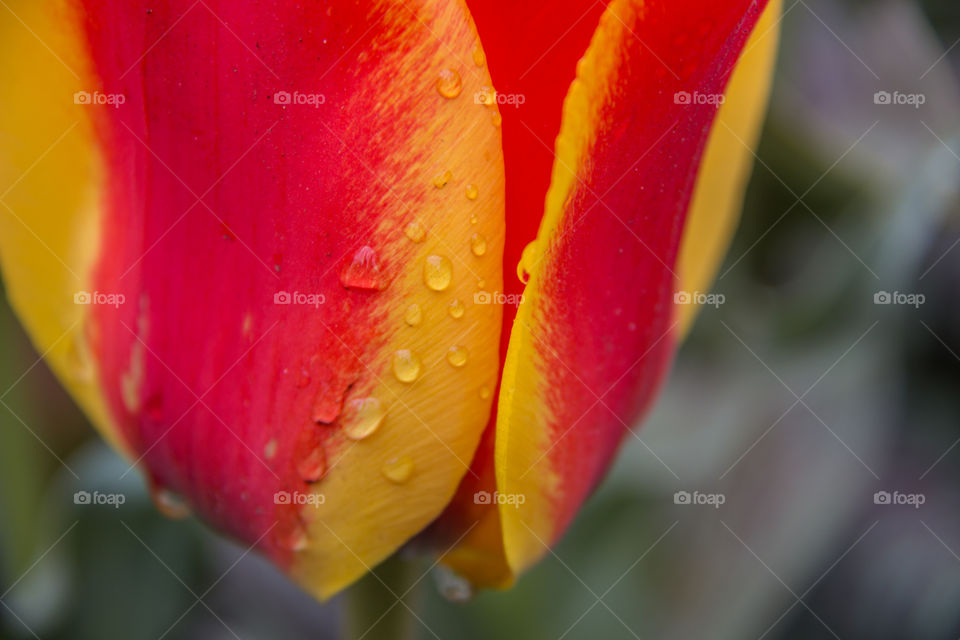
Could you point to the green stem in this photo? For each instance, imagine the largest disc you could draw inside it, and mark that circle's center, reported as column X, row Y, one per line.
column 371, row 608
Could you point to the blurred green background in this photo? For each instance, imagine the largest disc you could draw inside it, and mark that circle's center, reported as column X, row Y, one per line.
column 797, row 400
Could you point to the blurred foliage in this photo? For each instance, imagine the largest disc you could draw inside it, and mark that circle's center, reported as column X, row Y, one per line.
column 799, row 550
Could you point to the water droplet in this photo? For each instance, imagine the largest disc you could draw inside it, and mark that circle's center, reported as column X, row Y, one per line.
column 270, row 449
column 486, row 96
column 478, row 57
column 441, row 179
column 484, row 393
column 472, row 192
column 452, row 585
column 474, row 219
column 413, row 315
column 527, row 260
column 296, row 539
column 448, row 83
column 227, row 233
column 478, row 244
column 481, row 283
column 79, row 361
column 362, row 417
column 363, row 271
column 456, row 309
column 303, row 379
column 457, row 355
column 398, row 470
column 326, row 405
column 406, row 365
column 496, row 118
column 437, row 272
column 312, row 468
column 169, row 504
column 415, row 232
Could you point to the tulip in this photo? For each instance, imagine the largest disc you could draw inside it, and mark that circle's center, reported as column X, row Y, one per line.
column 324, row 285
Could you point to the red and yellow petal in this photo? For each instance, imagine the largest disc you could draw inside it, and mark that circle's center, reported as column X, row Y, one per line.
column 597, row 327
column 204, row 195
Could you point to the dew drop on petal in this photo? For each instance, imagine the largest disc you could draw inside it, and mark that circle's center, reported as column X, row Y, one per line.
column 270, row 449
column 363, row 271
column 415, row 232
column 296, row 539
column 496, row 118
column 478, row 57
column 472, row 192
column 79, row 360
column 169, row 504
column 456, row 308
column 448, row 83
column 313, row 466
column 362, row 417
column 441, row 179
column 413, row 316
column 451, row 585
column 406, row 365
column 398, row 470
column 457, row 355
column 484, row 393
column 478, row 244
column 527, row 260
column 303, row 378
column 437, row 272
column 486, row 96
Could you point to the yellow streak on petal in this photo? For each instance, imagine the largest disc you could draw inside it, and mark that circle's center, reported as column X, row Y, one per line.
column 727, row 163
column 437, row 419
column 50, row 189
